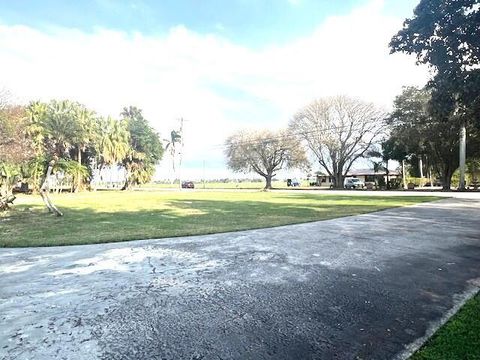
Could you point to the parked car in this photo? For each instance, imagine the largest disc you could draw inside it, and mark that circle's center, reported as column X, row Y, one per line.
column 353, row 183
column 293, row 182
column 187, row 185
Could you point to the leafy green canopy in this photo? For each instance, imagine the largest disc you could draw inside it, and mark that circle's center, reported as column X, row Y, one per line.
column 445, row 34
column 80, row 142
column 145, row 148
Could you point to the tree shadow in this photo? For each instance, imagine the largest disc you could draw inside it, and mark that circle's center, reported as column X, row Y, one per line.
column 33, row 226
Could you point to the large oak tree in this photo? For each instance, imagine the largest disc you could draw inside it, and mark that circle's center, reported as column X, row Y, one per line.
column 445, row 34
column 338, row 131
column 263, row 152
column 146, row 148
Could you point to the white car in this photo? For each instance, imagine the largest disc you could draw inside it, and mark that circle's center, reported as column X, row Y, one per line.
column 353, row 183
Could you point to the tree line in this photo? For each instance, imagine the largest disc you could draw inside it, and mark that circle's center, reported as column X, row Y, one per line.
column 74, row 141
column 436, row 128
column 335, row 131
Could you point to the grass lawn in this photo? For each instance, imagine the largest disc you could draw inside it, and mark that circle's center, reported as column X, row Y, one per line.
column 458, row 339
column 251, row 185
column 106, row 216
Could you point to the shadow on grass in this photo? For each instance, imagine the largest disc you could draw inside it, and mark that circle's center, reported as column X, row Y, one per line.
column 364, row 198
column 179, row 218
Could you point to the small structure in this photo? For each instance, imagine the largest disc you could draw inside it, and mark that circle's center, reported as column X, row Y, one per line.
column 324, row 180
column 366, row 175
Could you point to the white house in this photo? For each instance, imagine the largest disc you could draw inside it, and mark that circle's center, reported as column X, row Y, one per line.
column 366, row 175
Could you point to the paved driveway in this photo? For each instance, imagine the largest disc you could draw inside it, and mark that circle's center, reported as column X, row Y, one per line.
column 362, row 287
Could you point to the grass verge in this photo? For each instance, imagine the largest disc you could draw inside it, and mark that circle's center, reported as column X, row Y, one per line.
column 106, row 216
column 458, row 339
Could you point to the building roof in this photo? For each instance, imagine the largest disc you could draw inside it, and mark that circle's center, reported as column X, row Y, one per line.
column 370, row 172
column 365, row 172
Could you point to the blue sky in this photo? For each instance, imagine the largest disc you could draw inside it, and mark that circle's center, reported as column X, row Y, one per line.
column 252, row 23
column 222, row 65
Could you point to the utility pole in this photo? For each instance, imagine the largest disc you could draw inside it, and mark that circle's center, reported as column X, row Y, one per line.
column 404, row 175
column 463, row 148
column 420, row 166
column 428, row 169
column 463, row 143
column 204, row 174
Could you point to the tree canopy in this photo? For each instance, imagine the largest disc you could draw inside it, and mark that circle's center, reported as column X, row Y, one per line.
column 338, row 131
column 145, row 148
column 263, row 152
column 76, row 142
column 445, row 34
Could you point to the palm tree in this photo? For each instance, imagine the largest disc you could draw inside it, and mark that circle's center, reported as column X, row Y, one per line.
column 381, row 165
column 114, row 143
column 60, row 127
column 175, row 139
column 83, row 136
column 36, row 112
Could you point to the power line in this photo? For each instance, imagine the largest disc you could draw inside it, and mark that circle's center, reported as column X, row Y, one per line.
column 289, row 135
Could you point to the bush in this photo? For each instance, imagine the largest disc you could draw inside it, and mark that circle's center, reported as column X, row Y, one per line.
column 395, row 183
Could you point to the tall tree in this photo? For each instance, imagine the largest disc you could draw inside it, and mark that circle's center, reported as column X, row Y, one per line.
column 263, row 152
column 383, row 153
column 417, row 130
column 15, row 148
column 59, row 125
column 338, row 131
column 171, row 146
column 146, row 148
column 84, row 137
column 114, row 142
column 445, row 35
column 63, row 129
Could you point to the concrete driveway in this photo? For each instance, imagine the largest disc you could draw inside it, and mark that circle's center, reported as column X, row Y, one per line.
column 361, row 287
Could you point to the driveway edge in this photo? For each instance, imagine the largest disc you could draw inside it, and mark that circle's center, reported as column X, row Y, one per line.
column 459, row 300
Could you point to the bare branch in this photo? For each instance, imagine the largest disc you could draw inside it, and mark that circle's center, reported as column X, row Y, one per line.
column 338, row 131
column 263, row 152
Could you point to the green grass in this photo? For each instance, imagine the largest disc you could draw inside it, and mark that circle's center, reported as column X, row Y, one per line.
column 253, row 185
column 458, row 339
column 106, row 216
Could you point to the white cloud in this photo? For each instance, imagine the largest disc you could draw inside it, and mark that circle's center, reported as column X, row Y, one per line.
column 217, row 85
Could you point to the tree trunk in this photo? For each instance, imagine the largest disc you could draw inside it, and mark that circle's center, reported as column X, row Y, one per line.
column 127, row 185
column 45, row 189
column 339, row 179
column 387, row 173
column 268, row 182
column 174, row 174
column 463, row 147
column 6, row 195
column 79, row 178
column 448, row 171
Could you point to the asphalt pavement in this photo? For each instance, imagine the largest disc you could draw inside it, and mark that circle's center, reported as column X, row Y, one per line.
column 372, row 286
